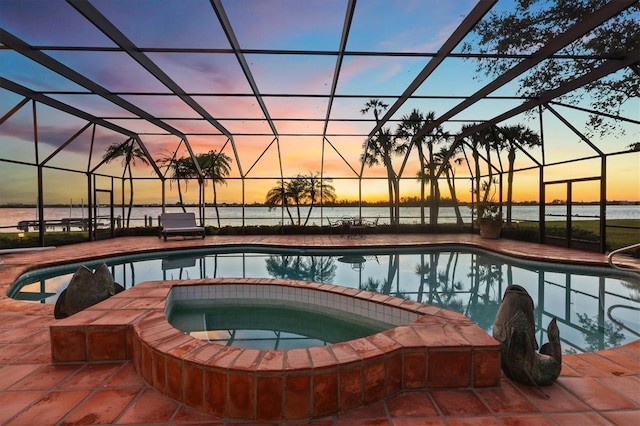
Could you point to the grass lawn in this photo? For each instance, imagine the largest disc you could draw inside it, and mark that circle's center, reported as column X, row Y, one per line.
column 620, row 232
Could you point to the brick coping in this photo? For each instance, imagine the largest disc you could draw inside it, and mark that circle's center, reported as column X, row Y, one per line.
column 431, row 348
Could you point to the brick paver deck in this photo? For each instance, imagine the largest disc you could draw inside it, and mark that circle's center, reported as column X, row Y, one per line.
column 594, row 388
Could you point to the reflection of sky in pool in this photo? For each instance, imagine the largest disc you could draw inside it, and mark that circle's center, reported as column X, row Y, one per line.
column 468, row 281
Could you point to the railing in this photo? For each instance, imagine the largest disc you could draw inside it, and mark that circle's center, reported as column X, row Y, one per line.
column 622, row 250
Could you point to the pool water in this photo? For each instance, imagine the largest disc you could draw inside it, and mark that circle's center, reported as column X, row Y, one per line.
column 266, row 324
column 596, row 308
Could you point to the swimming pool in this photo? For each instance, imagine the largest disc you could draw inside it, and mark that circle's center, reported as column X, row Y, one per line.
column 597, row 308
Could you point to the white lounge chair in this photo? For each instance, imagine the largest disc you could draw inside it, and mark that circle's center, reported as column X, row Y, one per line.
column 180, row 224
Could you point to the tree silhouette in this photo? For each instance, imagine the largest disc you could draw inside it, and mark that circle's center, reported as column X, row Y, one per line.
column 411, row 125
column 215, row 166
column 279, row 196
column 478, row 140
column 450, row 174
column 526, row 138
column 307, row 268
column 317, row 190
column 178, row 169
column 128, row 153
column 380, row 148
column 302, row 189
column 522, row 29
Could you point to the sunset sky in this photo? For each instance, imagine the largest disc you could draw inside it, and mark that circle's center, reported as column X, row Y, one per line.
column 290, row 53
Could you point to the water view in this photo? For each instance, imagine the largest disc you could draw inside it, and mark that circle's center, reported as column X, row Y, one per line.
column 254, row 215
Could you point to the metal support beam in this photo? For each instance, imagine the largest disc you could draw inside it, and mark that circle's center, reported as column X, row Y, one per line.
column 592, row 111
column 470, row 21
column 103, row 24
column 235, row 45
column 603, row 70
column 346, row 27
column 574, row 130
column 38, row 97
column 66, row 143
column 13, row 110
column 603, row 204
column 45, row 60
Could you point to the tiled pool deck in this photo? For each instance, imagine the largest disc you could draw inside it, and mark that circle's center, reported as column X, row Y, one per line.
column 594, row 388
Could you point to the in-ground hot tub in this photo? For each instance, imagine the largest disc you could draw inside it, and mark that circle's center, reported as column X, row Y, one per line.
column 273, row 317
column 427, row 347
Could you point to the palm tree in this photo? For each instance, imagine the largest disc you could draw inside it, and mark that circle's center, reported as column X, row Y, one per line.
column 449, row 172
column 381, row 148
column 296, row 189
column 410, row 126
column 490, row 142
column 215, row 166
column 526, row 138
column 278, row 196
column 476, row 141
column 473, row 142
column 178, row 169
column 376, row 106
column 318, row 189
column 129, row 153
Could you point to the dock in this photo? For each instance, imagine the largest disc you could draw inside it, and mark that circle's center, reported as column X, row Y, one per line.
column 66, row 224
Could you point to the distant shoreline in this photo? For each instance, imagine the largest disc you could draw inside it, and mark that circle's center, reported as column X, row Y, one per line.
column 445, row 203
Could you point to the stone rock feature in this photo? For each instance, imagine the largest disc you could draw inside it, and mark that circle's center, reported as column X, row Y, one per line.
column 85, row 289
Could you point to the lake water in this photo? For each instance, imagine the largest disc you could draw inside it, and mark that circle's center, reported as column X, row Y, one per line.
column 233, row 216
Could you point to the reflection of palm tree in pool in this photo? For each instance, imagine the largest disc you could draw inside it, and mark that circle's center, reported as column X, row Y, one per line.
column 483, row 313
column 454, row 304
column 481, row 308
column 442, row 285
column 598, row 337
column 310, row 268
column 371, row 285
column 428, row 272
column 378, row 286
column 320, row 268
column 392, row 272
column 282, row 266
column 421, row 270
column 634, row 290
column 124, row 275
column 452, row 286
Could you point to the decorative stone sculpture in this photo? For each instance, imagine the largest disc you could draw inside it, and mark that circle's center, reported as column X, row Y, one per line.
column 514, row 328
column 85, row 289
